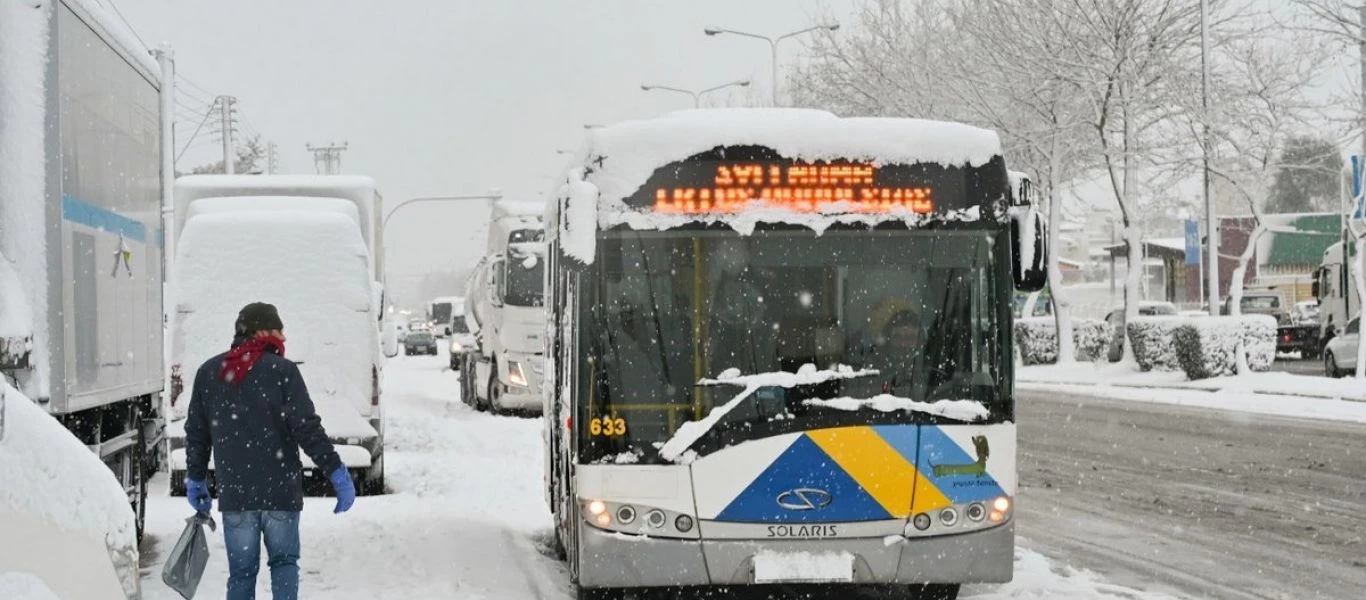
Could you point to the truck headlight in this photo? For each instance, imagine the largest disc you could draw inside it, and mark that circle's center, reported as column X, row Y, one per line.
column 515, row 374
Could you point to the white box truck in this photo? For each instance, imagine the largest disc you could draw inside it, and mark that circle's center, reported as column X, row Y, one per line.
column 505, row 312
column 80, row 222
column 308, row 255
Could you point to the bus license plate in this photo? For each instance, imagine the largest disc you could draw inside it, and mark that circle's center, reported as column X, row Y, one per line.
column 803, row 567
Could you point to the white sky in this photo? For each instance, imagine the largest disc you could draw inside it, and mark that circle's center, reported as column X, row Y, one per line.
column 443, row 97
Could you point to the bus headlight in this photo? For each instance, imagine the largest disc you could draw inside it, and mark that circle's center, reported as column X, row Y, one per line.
column 656, row 519
column 515, row 374
column 626, row 514
column 976, row 512
column 633, row 519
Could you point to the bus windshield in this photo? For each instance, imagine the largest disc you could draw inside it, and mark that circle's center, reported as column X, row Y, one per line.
column 926, row 310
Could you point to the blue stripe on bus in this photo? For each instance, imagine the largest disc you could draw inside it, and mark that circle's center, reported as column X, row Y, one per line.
column 85, row 213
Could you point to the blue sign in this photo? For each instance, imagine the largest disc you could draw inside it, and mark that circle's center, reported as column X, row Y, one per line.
column 1356, row 189
column 1192, row 242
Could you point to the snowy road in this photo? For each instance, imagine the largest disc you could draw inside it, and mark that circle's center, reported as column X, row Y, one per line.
column 466, row 518
column 1215, row 504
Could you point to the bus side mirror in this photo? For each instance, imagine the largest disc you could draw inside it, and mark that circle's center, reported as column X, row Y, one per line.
column 1029, row 250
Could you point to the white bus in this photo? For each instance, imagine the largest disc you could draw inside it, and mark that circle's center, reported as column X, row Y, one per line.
column 780, row 351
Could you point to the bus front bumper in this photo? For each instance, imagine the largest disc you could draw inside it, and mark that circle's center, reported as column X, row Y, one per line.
column 612, row 560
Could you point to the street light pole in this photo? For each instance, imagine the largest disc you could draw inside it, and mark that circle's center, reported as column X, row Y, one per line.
column 1211, row 220
column 696, row 96
column 492, row 196
column 772, row 45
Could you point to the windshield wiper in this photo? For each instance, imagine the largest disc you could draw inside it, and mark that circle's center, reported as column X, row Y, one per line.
column 808, row 374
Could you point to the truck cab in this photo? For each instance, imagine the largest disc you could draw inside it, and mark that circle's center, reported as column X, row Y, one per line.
column 505, row 314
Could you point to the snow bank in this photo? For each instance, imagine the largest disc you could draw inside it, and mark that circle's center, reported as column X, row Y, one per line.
column 1154, row 343
column 1037, row 339
column 23, row 138
column 690, row 432
column 959, row 410
column 1036, row 578
column 49, row 475
column 24, row 586
column 637, row 148
column 1208, row 347
column 312, row 266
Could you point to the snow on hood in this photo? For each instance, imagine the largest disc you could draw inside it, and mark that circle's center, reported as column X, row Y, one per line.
column 636, row 149
column 25, row 586
column 690, row 432
column 958, row 410
column 312, row 266
column 48, row 474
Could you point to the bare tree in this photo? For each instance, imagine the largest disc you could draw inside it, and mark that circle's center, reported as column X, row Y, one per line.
column 1006, row 79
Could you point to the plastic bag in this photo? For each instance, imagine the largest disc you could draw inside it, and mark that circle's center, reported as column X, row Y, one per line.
column 185, row 565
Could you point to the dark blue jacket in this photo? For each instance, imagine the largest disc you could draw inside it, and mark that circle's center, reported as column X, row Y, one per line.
column 255, row 430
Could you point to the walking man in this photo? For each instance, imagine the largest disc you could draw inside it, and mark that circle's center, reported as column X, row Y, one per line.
column 251, row 409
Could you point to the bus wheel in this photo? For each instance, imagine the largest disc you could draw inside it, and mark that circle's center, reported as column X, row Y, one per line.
column 935, row 591
column 599, row 594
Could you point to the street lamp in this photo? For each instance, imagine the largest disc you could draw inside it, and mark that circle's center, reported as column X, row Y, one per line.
column 772, row 44
column 696, row 96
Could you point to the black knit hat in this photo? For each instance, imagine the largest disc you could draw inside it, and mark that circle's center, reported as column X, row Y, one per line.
column 258, row 316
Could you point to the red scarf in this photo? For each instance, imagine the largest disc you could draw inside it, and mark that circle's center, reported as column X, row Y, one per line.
column 243, row 357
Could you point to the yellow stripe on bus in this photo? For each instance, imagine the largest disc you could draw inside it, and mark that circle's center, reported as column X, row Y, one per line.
column 875, row 465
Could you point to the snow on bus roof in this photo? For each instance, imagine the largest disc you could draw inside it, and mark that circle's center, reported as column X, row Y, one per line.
column 633, row 150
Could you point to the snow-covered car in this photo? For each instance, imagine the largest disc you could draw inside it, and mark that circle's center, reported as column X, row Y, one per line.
column 420, row 342
column 1145, row 309
column 1340, row 354
column 79, row 534
column 1305, row 313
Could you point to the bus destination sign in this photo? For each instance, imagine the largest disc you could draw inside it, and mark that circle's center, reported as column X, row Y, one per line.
column 729, row 187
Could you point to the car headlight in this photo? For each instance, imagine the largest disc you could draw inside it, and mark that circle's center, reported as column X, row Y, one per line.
column 515, row 374
column 455, row 346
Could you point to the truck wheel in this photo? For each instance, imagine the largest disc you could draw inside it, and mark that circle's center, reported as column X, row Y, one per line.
column 599, row 593
column 494, row 394
column 374, row 479
column 935, row 591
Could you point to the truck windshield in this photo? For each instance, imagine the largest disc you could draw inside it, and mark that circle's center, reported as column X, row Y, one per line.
column 525, row 275
column 926, row 311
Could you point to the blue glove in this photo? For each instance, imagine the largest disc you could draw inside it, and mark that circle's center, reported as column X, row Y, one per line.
column 346, row 489
column 197, row 493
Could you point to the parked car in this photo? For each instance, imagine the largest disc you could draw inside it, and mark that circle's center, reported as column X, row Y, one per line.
column 420, row 342
column 1145, row 309
column 1340, row 354
column 1305, row 313
column 1260, row 303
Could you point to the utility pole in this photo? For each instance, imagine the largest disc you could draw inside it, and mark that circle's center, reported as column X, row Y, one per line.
column 1211, row 222
column 327, row 159
column 225, row 107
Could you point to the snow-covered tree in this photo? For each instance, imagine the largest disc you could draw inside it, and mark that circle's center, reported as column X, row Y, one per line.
column 1307, row 181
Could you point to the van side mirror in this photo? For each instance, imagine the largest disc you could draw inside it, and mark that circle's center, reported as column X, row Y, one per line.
column 1029, row 249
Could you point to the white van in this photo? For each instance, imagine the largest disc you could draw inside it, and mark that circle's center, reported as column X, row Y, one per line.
column 307, row 257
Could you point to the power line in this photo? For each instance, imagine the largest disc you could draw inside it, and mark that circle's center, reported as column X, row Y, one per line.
column 193, row 136
column 196, row 86
column 131, row 29
column 192, row 95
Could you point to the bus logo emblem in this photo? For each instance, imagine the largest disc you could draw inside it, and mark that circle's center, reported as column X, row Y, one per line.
column 805, row 499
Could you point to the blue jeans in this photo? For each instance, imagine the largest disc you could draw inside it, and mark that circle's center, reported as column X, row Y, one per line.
column 243, row 530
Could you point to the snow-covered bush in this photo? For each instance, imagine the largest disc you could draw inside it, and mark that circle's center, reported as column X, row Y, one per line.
column 1036, row 339
column 1153, row 342
column 1208, row 347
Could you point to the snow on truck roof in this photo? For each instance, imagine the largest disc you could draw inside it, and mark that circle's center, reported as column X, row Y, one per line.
column 273, row 204
column 635, row 149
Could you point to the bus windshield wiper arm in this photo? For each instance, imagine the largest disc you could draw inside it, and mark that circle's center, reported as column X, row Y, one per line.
column 692, row 431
